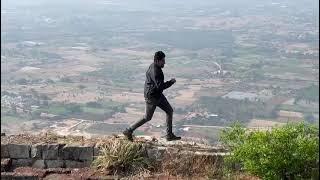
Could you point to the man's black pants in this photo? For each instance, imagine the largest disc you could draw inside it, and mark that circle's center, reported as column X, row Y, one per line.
column 150, row 108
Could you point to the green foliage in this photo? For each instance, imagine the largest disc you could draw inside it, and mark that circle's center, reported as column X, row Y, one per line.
column 120, row 109
column 54, row 109
column 122, row 157
column 253, row 75
column 92, row 110
column 309, row 118
column 297, row 108
column 62, row 109
column 34, row 53
column 81, row 86
column 291, row 151
column 310, row 93
column 11, row 119
column 94, row 104
column 73, row 108
column 95, row 110
column 121, row 73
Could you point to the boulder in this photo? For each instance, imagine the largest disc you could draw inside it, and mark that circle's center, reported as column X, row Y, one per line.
column 54, row 163
column 84, row 153
column 4, row 151
column 21, row 162
column 51, row 151
column 39, row 164
column 77, row 164
column 19, row 151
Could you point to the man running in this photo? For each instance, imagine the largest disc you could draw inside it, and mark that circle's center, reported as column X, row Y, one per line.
column 153, row 88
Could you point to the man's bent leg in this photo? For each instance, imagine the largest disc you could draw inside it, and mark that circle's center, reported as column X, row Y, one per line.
column 150, row 108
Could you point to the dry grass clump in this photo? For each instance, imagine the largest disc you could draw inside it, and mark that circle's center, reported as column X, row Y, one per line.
column 122, row 157
column 190, row 164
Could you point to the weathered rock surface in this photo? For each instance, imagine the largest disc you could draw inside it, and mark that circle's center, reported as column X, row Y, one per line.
column 36, row 151
column 54, row 163
column 84, row 153
column 19, row 151
column 4, row 151
column 51, row 151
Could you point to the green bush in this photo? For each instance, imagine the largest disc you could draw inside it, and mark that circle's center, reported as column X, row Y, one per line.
column 287, row 152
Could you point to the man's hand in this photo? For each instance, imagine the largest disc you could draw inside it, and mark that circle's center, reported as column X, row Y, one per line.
column 173, row 80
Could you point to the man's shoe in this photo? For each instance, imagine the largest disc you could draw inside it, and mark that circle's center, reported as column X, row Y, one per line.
column 128, row 135
column 172, row 137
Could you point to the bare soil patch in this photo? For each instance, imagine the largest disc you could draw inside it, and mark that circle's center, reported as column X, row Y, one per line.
column 263, row 123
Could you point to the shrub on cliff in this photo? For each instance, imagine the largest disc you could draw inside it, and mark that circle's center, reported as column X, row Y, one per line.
column 287, row 152
column 122, row 157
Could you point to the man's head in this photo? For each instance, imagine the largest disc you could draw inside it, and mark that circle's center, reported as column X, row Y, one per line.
column 159, row 59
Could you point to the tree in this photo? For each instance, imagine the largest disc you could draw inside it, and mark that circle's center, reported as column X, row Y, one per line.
column 309, row 118
column 308, row 94
column 73, row 108
column 81, row 86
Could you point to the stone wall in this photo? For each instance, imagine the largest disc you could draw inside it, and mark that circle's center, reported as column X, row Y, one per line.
column 72, row 156
column 48, row 155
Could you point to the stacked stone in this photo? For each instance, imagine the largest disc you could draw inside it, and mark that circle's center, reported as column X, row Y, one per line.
column 48, row 155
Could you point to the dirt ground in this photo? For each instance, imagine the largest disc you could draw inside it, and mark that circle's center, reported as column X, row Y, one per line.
column 125, row 97
column 76, row 96
column 144, row 54
column 290, row 114
column 263, row 123
column 88, row 173
column 187, row 96
column 62, row 173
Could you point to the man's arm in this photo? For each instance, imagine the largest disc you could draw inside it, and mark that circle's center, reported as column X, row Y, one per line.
column 160, row 84
column 168, row 84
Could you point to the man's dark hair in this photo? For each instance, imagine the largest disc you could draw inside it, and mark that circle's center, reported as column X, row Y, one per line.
column 158, row 56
